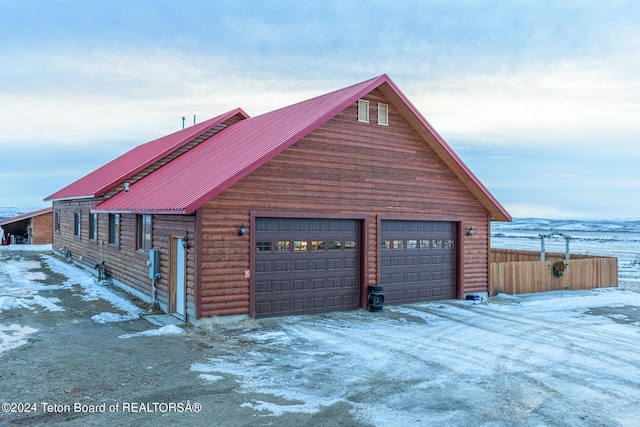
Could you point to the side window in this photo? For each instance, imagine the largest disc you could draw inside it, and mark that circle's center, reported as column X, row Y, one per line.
column 77, row 217
column 93, row 226
column 144, row 232
column 114, row 229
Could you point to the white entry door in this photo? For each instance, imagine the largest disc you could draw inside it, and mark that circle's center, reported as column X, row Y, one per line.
column 178, row 291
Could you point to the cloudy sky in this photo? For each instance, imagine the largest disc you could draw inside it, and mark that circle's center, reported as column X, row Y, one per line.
column 541, row 99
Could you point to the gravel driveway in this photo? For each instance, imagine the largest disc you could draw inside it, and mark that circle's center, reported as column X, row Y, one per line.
column 74, row 353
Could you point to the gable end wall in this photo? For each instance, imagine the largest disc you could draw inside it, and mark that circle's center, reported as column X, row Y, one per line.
column 343, row 168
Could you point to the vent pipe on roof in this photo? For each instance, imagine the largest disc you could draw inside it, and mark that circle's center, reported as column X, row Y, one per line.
column 183, row 117
column 194, row 119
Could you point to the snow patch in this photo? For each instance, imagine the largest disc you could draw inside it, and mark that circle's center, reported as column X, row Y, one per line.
column 165, row 330
column 94, row 291
column 47, row 303
column 107, row 317
column 14, row 336
column 209, row 377
column 202, row 367
column 278, row 410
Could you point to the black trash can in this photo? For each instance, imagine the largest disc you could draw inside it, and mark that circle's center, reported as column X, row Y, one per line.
column 376, row 298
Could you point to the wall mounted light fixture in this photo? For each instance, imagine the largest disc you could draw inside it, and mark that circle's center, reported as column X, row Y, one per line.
column 243, row 229
column 470, row 232
column 185, row 241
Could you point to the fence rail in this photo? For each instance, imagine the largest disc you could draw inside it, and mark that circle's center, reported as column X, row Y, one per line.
column 520, row 272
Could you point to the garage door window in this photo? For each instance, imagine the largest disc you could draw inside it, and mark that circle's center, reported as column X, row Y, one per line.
column 300, row 245
column 306, row 245
column 417, row 244
column 282, row 245
column 263, row 246
column 335, row 245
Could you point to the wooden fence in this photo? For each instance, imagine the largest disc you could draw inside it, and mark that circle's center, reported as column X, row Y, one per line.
column 521, row 272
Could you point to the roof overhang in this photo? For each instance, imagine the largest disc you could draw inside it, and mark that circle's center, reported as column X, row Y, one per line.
column 27, row 215
column 231, row 167
column 97, row 209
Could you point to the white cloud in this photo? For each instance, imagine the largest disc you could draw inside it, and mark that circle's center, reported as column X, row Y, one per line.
column 133, row 95
column 550, row 104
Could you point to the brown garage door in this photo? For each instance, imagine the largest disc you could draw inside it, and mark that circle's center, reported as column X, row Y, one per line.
column 418, row 261
column 306, row 266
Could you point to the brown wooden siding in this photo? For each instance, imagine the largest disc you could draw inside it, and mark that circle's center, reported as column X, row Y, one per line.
column 224, row 258
column 343, row 167
column 124, row 262
column 42, row 229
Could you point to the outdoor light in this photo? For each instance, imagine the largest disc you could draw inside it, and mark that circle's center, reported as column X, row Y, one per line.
column 470, row 232
column 242, row 230
column 185, row 241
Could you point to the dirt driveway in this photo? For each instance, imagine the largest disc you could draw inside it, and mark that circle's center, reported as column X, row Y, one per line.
column 549, row 359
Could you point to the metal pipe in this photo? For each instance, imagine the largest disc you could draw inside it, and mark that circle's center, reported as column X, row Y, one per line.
column 153, row 290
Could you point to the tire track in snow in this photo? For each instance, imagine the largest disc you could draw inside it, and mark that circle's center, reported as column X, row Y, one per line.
column 543, row 345
column 439, row 362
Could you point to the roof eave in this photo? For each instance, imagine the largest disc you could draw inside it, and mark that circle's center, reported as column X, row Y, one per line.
column 58, row 199
column 160, row 211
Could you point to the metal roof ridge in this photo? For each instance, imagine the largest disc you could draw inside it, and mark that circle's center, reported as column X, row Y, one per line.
column 122, row 176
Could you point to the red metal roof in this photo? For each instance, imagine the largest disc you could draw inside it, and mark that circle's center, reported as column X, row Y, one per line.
column 130, row 163
column 26, row 215
column 186, row 183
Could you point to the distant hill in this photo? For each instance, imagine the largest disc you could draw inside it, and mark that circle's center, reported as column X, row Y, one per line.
column 541, row 224
column 11, row 212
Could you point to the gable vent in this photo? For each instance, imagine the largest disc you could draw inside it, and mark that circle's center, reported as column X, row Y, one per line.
column 363, row 111
column 383, row 114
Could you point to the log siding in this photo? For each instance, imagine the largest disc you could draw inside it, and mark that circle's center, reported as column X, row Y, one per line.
column 343, row 168
column 125, row 264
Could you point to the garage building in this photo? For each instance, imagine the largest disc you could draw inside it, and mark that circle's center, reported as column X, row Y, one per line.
column 295, row 211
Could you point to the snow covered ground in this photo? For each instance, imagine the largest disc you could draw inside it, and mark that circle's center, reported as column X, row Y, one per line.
column 557, row 358
column 535, row 360
column 23, row 285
